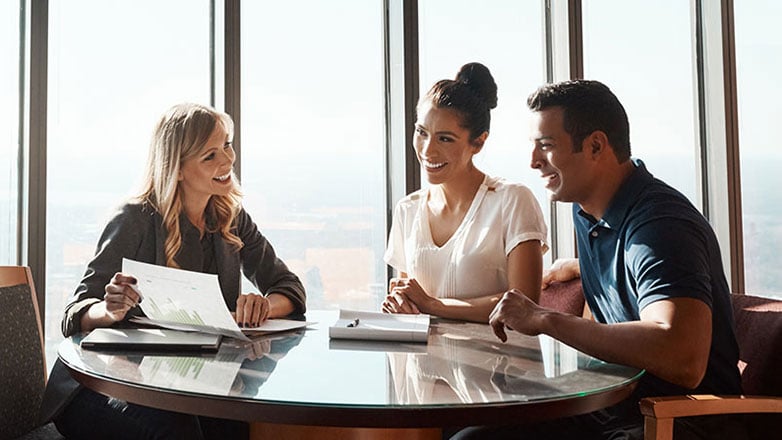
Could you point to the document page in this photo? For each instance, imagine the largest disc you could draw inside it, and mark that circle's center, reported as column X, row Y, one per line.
column 183, row 297
column 354, row 324
column 276, row 325
column 273, row 325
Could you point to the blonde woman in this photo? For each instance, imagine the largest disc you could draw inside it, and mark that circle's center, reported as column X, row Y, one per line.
column 189, row 216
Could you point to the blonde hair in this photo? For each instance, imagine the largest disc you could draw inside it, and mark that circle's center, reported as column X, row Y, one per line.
column 180, row 134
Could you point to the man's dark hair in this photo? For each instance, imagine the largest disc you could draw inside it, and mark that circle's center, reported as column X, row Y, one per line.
column 587, row 106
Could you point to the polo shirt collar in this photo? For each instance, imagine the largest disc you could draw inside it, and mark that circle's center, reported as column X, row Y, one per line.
column 624, row 198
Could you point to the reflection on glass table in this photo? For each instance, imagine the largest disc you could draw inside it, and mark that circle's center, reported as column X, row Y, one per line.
column 462, row 375
column 459, row 370
column 239, row 368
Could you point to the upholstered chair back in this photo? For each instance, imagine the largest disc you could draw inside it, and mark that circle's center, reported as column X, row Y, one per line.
column 22, row 361
column 759, row 334
column 566, row 297
column 23, row 379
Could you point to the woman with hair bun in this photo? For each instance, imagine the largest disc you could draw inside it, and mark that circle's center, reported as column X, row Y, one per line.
column 461, row 243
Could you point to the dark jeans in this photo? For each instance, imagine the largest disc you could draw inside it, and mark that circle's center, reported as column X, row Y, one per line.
column 620, row 422
column 93, row 416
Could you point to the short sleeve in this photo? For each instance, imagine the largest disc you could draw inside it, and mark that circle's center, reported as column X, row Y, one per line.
column 523, row 218
column 395, row 248
column 670, row 265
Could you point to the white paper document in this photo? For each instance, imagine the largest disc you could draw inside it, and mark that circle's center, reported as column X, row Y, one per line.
column 185, row 300
column 273, row 325
column 353, row 324
column 276, row 325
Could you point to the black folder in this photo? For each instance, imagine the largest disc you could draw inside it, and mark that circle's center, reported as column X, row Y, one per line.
column 143, row 339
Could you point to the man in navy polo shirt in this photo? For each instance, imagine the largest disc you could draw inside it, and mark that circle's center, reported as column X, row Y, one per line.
column 649, row 263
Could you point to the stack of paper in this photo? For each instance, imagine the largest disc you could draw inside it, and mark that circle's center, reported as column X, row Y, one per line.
column 184, row 300
column 354, row 324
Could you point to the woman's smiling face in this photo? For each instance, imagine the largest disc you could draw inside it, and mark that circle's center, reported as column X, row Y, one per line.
column 442, row 145
column 210, row 171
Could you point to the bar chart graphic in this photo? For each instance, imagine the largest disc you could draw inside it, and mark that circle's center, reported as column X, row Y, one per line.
column 195, row 374
column 172, row 312
column 176, row 296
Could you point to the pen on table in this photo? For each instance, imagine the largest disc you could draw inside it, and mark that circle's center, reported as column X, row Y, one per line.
column 138, row 292
column 353, row 323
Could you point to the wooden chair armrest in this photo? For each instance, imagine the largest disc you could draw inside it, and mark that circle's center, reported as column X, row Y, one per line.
column 708, row 404
column 659, row 412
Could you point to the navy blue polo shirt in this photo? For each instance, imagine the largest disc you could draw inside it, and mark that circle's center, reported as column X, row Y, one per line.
column 653, row 244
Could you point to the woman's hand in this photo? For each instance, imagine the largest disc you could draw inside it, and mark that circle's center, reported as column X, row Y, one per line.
column 258, row 349
column 406, row 296
column 252, row 309
column 120, row 297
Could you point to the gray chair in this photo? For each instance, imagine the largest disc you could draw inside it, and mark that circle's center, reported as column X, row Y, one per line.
column 22, row 360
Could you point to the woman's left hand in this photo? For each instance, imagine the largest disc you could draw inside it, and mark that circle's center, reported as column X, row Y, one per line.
column 413, row 292
column 252, row 309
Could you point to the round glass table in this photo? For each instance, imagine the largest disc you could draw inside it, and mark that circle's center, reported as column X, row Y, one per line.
column 463, row 375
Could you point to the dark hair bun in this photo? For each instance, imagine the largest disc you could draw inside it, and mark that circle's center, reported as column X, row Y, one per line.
column 478, row 78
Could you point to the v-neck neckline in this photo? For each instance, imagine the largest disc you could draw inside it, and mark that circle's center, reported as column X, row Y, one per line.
column 426, row 226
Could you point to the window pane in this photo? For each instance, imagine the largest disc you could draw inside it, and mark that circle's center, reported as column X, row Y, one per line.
column 114, row 68
column 642, row 51
column 757, row 39
column 507, row 37
column 313, row 138
column 9, row 129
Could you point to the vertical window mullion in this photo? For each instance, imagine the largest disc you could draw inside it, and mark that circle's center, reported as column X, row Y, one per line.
column 718, row 131
column 403, row 174
column 34, row 168
column 401, row 45
column 233, row 75
column 15, row 255
column 564, row 48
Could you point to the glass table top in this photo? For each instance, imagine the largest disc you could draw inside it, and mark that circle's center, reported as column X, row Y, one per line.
column 461, row 364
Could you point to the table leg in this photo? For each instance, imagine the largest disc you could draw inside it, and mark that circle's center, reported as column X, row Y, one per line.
column 260, row 431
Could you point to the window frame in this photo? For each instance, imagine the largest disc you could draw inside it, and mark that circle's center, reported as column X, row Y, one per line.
column 714, row 46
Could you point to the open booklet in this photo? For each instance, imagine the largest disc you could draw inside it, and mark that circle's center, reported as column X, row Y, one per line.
column 353, row 324
column 191, row 301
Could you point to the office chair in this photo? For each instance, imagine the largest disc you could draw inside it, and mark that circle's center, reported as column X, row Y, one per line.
column 759, row 335
column 22, row 360
column 566, row 297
